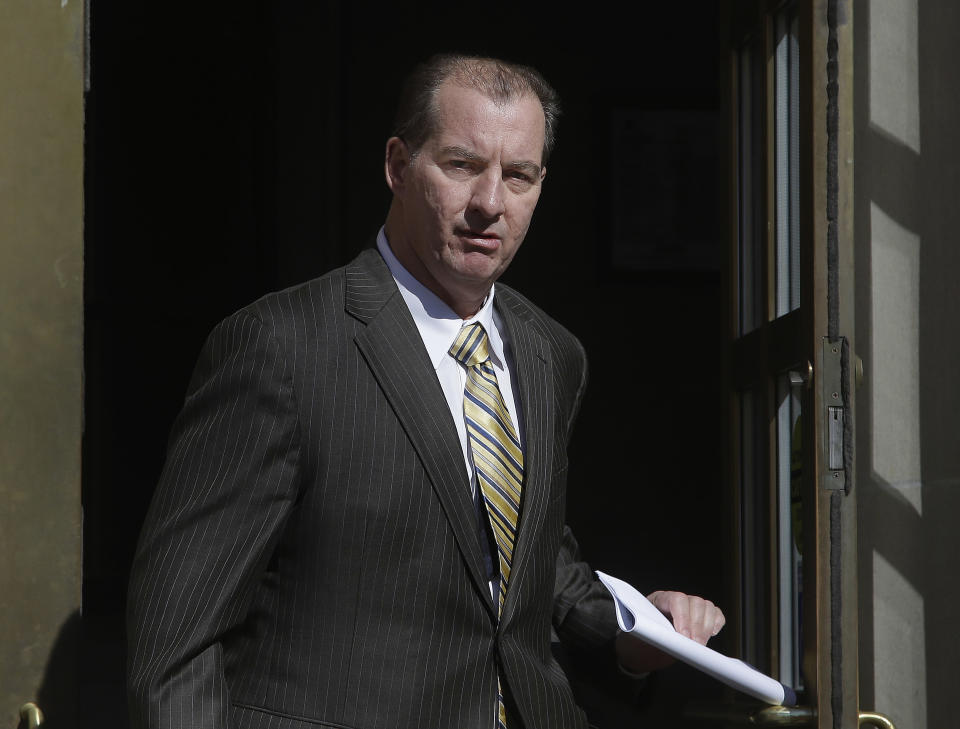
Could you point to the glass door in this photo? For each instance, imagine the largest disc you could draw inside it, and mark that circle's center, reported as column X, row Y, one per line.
column 789, row 358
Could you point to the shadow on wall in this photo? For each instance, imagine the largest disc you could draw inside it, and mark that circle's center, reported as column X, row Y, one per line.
column 58, row 696
column 907, row 177
column 83, row 685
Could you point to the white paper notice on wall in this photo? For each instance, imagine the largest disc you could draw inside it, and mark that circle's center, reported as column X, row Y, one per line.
column 638, row 615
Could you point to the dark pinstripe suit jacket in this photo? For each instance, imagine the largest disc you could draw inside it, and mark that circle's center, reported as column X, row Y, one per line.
column 311, row 557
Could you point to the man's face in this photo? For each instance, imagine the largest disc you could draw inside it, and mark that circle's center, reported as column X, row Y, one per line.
column 465, row 200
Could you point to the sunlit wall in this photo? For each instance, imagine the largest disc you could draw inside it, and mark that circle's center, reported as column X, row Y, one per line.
column 907, row 191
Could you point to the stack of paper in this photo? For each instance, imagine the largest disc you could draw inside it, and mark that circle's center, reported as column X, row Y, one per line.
column 638, row 615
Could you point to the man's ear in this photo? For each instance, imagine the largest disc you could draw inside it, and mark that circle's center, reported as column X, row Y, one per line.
column 543, row 172
column 396, row 161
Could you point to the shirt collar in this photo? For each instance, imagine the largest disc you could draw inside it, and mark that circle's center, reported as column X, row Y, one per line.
column 437, row 323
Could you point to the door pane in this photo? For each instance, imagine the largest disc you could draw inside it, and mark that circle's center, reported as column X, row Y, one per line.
column 750, row 184
column 755, row 532
column 789, row 557
column 787, row 162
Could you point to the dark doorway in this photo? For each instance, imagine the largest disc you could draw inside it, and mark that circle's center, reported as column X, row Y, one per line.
column 238, row 149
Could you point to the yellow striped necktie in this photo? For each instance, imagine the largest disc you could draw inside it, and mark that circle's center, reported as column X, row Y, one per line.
column 496, row 451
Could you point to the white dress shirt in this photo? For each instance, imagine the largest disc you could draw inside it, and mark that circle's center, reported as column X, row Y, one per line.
column 439, row 326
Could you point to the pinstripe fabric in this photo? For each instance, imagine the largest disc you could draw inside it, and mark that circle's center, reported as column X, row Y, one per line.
column 311, row 558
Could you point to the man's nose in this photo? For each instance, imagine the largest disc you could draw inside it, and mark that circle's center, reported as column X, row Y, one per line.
column 488, row 194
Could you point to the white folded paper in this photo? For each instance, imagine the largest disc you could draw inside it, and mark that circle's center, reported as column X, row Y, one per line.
column 637, row 615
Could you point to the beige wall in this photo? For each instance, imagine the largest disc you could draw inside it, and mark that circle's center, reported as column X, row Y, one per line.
column 41, row 287
column 908, row 332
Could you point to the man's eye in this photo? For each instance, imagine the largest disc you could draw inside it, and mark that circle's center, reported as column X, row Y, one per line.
column 519, row 178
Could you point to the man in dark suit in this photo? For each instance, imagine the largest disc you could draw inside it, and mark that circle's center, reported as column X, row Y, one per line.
column 360, row 521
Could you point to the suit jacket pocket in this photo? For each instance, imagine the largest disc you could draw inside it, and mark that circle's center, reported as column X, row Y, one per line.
column 245, row 716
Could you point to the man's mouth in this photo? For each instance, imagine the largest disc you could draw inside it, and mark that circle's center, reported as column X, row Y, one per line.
column 480, row 238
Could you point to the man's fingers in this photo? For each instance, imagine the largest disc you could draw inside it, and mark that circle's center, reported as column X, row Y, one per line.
column 697, row 610
column 680, row 612
column 692, row 616
column 675, row 606
column 719, row 621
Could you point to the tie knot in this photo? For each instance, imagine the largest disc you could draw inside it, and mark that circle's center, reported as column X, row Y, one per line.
column 470, row 346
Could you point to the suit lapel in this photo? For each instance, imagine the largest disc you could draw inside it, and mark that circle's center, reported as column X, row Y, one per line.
column 393, row 349
column 534, row 372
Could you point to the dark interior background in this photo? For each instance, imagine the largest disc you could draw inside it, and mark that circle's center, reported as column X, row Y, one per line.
column 236, row 149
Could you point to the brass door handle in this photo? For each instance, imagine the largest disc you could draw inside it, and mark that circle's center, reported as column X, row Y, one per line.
column 31, row 714
column 872, row 718
column 753, row 715
column 774, row 716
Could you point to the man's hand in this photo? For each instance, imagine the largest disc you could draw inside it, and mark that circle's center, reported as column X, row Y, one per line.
column 692, row 616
